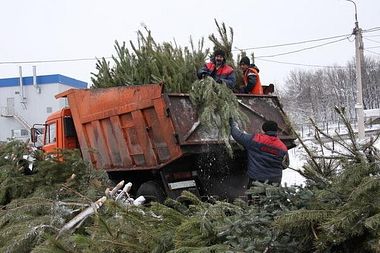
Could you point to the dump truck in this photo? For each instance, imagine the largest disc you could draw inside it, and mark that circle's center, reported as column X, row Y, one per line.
column 155, row 140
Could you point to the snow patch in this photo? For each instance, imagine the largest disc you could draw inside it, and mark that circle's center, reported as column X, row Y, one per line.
column 297, row 158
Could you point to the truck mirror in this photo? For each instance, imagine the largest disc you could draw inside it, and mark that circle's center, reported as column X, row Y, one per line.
column 33, row 135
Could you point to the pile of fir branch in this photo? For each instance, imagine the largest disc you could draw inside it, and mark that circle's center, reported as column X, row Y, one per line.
column 150, row 62
column 336, row 211
column 183, row 225
column 342, row 213
column 36, row 210
column 36, row 204
column 216, row 104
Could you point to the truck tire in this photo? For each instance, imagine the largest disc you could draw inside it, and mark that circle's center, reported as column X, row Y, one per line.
column 151, row 191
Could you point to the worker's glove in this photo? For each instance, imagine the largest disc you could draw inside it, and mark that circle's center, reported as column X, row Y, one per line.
column 232, row 122
column 285, row 162
column 205, row 74
column 218, row 80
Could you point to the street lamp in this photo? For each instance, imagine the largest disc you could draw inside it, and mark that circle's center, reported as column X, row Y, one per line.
column 359, row 90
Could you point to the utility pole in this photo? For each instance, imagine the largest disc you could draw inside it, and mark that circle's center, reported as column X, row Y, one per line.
column 359, row 90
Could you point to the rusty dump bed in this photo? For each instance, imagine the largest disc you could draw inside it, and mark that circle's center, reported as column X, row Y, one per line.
column 140, row 127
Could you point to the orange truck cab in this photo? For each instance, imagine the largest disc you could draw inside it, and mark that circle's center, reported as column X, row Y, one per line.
column 154, row 139
column 59, row 132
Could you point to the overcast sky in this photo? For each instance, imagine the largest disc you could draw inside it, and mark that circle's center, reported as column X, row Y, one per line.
column 43, row 30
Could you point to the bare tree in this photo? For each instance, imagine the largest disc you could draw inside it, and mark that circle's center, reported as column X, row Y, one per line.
column 315, row 93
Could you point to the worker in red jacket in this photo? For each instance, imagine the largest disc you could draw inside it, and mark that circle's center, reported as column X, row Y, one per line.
column 267, row 154
column 251, row 78
column 219, row 70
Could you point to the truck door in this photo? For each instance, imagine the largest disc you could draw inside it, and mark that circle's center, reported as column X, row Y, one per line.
column 50, row 137
column 70, row 139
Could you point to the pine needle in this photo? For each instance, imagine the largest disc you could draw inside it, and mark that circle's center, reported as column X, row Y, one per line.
column 216, row 104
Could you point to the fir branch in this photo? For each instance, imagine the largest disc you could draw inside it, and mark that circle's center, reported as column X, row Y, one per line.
column 331, row 157
column 324, row 145
column 372, row 153
column 294, row 219
column 66, row 187
column 368, row 186
column 215, row 104
column 373, row 222
column 31, row 202
column 208, row 249
column 341, row 142
column 355, row 148
column 308, row 151
column 314, row 233
column 340, row 154
column 225, row 40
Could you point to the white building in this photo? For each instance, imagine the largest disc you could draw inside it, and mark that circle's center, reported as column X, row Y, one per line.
column 25, row 101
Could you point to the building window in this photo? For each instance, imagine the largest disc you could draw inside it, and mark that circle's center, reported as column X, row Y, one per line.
column 19, row 133
column 24, row 132
column 49, row 109
column 10, row 108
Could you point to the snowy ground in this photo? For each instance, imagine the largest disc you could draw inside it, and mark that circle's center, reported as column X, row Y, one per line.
column 297, row 160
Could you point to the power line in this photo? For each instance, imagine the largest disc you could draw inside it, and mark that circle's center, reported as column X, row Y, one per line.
column 346, row 36
column 370, row 36
column 292, row 43
column 372, row 52
column 299, row 50
column 52, row 61
column 372, row 47
column 374, row 29
column 304, row 65
column 372, row 40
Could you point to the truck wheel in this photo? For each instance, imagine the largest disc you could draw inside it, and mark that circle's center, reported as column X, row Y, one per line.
column 151, row 191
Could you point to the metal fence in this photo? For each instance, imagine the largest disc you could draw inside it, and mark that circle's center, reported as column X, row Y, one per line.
column 307, row 130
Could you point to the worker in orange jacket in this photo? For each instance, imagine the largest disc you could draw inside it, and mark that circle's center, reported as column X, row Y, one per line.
column 251, row 78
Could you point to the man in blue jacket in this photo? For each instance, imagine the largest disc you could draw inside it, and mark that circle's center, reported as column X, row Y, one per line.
column 219, row 70
column 267, row 154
